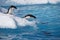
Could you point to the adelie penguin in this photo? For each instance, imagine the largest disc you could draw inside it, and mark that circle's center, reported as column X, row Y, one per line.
column 11, row 9
column 29, row 16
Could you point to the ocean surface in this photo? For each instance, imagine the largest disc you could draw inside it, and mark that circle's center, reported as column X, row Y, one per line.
column 48, row 17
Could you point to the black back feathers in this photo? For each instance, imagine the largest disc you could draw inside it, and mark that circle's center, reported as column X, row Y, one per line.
column 30, row 15
column 13, row 7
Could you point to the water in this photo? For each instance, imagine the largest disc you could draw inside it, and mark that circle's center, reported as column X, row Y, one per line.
column 48, row 17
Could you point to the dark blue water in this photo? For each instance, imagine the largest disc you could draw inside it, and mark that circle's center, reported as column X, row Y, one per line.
column 48, row 17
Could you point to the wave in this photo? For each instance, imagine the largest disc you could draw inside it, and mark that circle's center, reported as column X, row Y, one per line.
column 3, row 10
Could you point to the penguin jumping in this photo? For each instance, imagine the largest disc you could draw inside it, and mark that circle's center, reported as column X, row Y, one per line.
column 29, row 16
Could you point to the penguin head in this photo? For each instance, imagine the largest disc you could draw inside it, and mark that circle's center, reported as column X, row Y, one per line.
column 13, row 7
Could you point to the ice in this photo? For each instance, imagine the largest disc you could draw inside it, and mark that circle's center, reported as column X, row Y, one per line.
column 6, row 21
column 33, row 1
column 27, row 2
column 9, row 21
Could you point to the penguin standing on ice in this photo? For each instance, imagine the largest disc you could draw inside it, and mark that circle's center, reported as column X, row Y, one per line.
column 11, row 9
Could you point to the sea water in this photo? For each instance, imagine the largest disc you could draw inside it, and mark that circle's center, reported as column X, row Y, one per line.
column 48, row 17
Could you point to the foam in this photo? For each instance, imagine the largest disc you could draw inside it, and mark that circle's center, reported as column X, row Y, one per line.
column 24, row 22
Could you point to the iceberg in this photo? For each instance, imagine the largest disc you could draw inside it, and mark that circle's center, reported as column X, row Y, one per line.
column 9, row 21
column 6, row 21
column 27, row 2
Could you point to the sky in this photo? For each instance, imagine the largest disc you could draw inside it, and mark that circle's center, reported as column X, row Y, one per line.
column 25, row 2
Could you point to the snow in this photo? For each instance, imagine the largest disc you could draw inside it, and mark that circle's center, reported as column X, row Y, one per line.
column 6, row 21
column 27, row 2
column 54, row 1
column 9, row 21
column 24, row 22
column 33, row 1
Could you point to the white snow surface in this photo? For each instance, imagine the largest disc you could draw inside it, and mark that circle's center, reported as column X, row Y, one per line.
column 27, row 2
column 8, row 21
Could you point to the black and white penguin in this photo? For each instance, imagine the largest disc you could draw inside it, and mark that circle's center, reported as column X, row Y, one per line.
column 29, row 16
column 11, row 9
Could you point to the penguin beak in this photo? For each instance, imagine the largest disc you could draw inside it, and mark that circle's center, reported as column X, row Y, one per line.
column 15, row 7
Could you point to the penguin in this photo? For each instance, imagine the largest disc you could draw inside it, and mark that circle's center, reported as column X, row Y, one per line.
column 29, row 16
column 10, row 10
